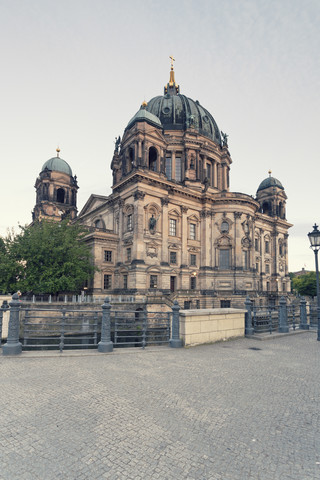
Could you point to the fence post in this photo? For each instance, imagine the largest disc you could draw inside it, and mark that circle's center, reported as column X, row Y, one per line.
column 175, row 340
column 283, row 319
column 105, row 345
column 13, row 346
column 248, row 325
column 3, row 308
column 303, row 315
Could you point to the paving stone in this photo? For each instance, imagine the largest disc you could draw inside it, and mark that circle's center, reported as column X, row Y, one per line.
column 213, row 412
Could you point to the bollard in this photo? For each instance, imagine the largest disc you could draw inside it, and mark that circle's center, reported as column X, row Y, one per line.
column 303, row 315
column 283, row 319
column 13, row 346
column 105, row 345
column 249, row 330
column 175, row 340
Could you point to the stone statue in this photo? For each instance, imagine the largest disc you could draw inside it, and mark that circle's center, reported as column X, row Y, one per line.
column 224, row 139
column 152, row 223
column 117, row 144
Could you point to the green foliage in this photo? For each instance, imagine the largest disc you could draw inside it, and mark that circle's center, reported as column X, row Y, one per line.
column 50, row 257
column 9, row 267
column 305, row 284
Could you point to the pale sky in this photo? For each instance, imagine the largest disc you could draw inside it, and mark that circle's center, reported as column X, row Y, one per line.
column 74, row 72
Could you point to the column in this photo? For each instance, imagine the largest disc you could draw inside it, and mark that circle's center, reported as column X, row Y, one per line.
column 165, row 230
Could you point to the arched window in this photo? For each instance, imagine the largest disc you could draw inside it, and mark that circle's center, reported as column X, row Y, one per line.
column 60, row 195
column 266, row 208
column 98, row 223
column 153, row 154
column 281, row 210
column 131, row 158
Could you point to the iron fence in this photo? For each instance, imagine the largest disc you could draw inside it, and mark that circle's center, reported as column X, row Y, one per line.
column 59, row 328
column 281, row 318
column 140, row 328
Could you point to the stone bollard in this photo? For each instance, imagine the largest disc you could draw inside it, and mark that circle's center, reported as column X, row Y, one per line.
column 249, row 330
column 13, row 346
column 283, row 319
column 105, row 345
column 303, row 315
column 175, row 340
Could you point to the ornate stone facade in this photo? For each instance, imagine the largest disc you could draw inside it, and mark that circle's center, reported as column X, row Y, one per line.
column 171, row 228
column 56, row 189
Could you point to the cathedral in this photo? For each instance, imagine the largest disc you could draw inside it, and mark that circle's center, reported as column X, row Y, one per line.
column 171, row 229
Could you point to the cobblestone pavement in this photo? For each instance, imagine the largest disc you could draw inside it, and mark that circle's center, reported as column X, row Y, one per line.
column 236, row 410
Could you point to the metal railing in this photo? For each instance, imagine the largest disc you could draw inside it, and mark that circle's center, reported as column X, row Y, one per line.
column 140, row 328
column 280, row 318
column 59, row 328
column 101, row 328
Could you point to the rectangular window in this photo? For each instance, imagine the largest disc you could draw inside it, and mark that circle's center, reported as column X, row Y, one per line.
column 178, row 175
column 256, row 244
column 128, row 254
column 108, row 256
column 125, row 282
column 129, row 222
column 267, row 268
column 193, row 260
column 224, row 262
column 172, row 284
column 209, row 173
column 192, row 231
column 107, row 282
column 267, row 246
column 169, row 168
column 193, row 283
column 224, row 303
column 153, row 281
column 257, row 267
column 173, row 257
column 173, row 227
column 245, row 260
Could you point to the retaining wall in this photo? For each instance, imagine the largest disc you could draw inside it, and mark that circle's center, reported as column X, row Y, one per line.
column 211, row 325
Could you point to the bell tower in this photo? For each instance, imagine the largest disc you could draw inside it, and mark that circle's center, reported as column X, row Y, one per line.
column 56, row 191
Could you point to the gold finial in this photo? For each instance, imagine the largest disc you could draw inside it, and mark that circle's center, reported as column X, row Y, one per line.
column 144, row 104
column 172, row 82
column 58, row 151
column 269, row 173
column 172, row 79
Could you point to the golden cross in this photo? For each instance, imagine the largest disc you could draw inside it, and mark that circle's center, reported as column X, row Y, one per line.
column 172, row 60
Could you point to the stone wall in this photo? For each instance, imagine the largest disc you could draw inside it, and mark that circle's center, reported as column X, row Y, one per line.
column 211, row 325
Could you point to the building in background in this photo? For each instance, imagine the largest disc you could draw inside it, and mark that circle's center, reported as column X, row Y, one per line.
column 171, row 229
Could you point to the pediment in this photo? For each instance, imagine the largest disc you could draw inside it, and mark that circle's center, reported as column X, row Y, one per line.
column 93, row 202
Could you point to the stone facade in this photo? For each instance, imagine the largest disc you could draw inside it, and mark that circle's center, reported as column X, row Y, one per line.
column 56, row 191
column 171, row 229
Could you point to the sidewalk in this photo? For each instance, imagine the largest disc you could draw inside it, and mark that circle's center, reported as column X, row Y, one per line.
column 236, row 410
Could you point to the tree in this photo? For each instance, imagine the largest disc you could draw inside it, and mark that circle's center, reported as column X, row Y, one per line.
column 9, row 267
column 52, row 258
column 305, row 284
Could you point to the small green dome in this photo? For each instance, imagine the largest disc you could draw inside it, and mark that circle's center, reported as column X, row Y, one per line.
column 143, row 115
column 270, row 182
column 57, row 164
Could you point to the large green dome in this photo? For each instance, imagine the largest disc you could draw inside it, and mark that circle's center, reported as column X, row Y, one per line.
column 57, row 164
column 173, row 111
column 178, row 112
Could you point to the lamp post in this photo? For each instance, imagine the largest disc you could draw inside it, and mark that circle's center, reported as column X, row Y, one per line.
column 314, row 238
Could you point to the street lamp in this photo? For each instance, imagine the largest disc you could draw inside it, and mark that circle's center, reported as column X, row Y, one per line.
column 314, row 238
